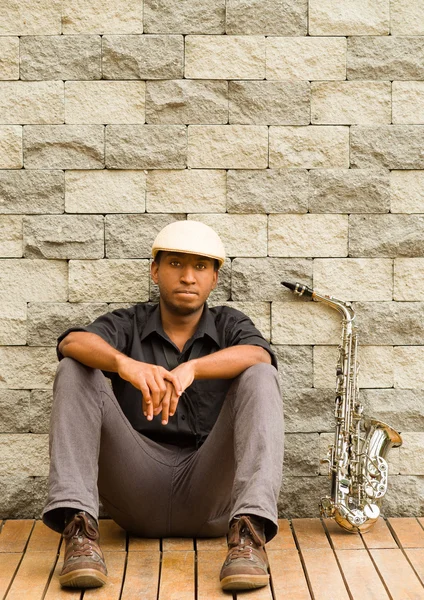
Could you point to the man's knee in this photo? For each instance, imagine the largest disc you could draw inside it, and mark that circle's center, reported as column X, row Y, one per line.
column 261, row 372
column 69, row 368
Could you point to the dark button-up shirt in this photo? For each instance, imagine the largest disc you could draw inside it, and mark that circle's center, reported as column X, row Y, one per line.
column 137, row 332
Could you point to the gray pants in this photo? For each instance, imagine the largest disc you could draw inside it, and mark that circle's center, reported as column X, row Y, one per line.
column 160, row 490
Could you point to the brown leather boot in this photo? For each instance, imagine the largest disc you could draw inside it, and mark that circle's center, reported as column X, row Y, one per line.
column 246, row 565
column 84, row 564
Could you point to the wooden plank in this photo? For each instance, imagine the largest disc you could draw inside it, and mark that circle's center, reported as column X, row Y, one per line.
column 263, row 593
column 32, row 576
column 398, row 574
column 310, row 533
column 288, row 577
column 284, row 539
column 138, row 544
column 112, row 537
column 209, row 563
column 15, row 534
column 177, row 544
column 115, row 562
column 324, row 575
column 408, row 531
column 8, row 566
column 212, row 543
column 342, row 539
column 177, row 576
column 416, row 557
column 142, row 576
column 379, row 536
column 43, row 539
column 421, row 521
column 362, row 579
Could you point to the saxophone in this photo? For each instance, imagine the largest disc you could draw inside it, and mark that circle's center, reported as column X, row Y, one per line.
column 357, row 460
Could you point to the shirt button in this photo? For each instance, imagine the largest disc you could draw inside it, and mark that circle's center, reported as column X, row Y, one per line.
column 183, row 417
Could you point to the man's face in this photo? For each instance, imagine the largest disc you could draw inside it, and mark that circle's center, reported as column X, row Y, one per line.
column 185, row 281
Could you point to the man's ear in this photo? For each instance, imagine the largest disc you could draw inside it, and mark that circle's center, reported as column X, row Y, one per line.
column 215, row 281
column 154, row 271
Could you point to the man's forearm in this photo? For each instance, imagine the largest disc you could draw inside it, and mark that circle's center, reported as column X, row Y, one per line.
column 230, row 362
column 91, row 350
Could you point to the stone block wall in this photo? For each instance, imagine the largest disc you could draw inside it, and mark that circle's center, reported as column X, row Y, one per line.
column 294, row 128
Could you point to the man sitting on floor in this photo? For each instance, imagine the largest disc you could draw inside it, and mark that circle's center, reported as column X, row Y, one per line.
column 189, row 439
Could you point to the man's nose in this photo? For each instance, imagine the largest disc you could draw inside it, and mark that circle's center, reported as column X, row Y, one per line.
column 188, row 275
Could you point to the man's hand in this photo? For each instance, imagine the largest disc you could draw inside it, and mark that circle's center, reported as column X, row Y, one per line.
column 155, row 383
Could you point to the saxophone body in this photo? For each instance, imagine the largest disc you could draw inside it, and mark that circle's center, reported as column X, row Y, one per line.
column 357, row 463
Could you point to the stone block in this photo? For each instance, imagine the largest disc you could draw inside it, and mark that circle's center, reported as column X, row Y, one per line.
column 268, row 191
column 23, row 497
column 408, row 367
column 64, row 146
column 33, row 280
column 305, row 58
column 40, row 405
column 13, row 323
column 308, row 235
column 335, row 17
column 269, row 102
column 386, row 235
column 132, row 236
column 64, row 236
column 18, row 18
column 309, row 147
column 60, row 57
column 146, row 146
column 301, row 454
column 308, row 410
column 350, row 102
column 24, row 455
column 407, row 191
column 304, row 323
column 375, row 370
column 31, row 192
column 406, row 17
column 411, row 454
column 97, row 16
column 385, row 57
column 408, row 279
column 108, row 280
column 105, row 191
column 187, row 101
column 408, row 101
column 391, row 323
column 9, row 57
column 242, row 235
column 224, row 57
column 186, row 190
column 227, row 146
column 104, row 102
column 11, row 147
column 401, row 409
column 31, row 102
column 14, row 409
column 366, row 279
column 300, row 496
column 389, row 146
column 47, row 321
column 349, row 191
column 268, row 17
column 11, row 236
column 260, row 278
column 142, row 56
column 294, row 366
column 24, row 368
column 190, row 16
column 405, row 496
column 258, row 312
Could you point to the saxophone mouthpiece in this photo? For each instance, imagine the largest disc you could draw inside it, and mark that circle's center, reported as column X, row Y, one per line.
column 299, row 289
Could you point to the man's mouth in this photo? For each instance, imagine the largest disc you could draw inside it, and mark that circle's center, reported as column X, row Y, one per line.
column 186, row 292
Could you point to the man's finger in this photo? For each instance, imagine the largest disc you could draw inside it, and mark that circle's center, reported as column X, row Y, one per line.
column 175, row 382
column 165, row 404
column 173, row 403
column 148, row 410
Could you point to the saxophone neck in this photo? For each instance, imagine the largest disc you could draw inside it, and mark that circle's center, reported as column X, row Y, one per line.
column 344, row 308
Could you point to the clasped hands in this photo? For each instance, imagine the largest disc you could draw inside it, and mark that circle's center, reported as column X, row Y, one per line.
column 161, row 389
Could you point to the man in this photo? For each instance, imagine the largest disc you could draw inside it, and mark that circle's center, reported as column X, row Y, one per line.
column 189, row 442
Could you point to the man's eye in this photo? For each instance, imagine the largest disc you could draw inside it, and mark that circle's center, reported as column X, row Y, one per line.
column 175, row 263
column 201, row 266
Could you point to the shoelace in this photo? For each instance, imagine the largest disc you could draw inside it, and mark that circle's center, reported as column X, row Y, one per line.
column 248, row 537
column 81, row 525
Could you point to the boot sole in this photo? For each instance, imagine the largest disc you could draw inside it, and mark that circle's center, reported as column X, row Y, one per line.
column 244, row 582
column 83, row 578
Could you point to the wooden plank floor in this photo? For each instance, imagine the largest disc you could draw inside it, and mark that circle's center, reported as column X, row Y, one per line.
column 310, row 559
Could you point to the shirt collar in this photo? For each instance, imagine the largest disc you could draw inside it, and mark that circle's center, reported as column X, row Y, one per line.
column 206, row 326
